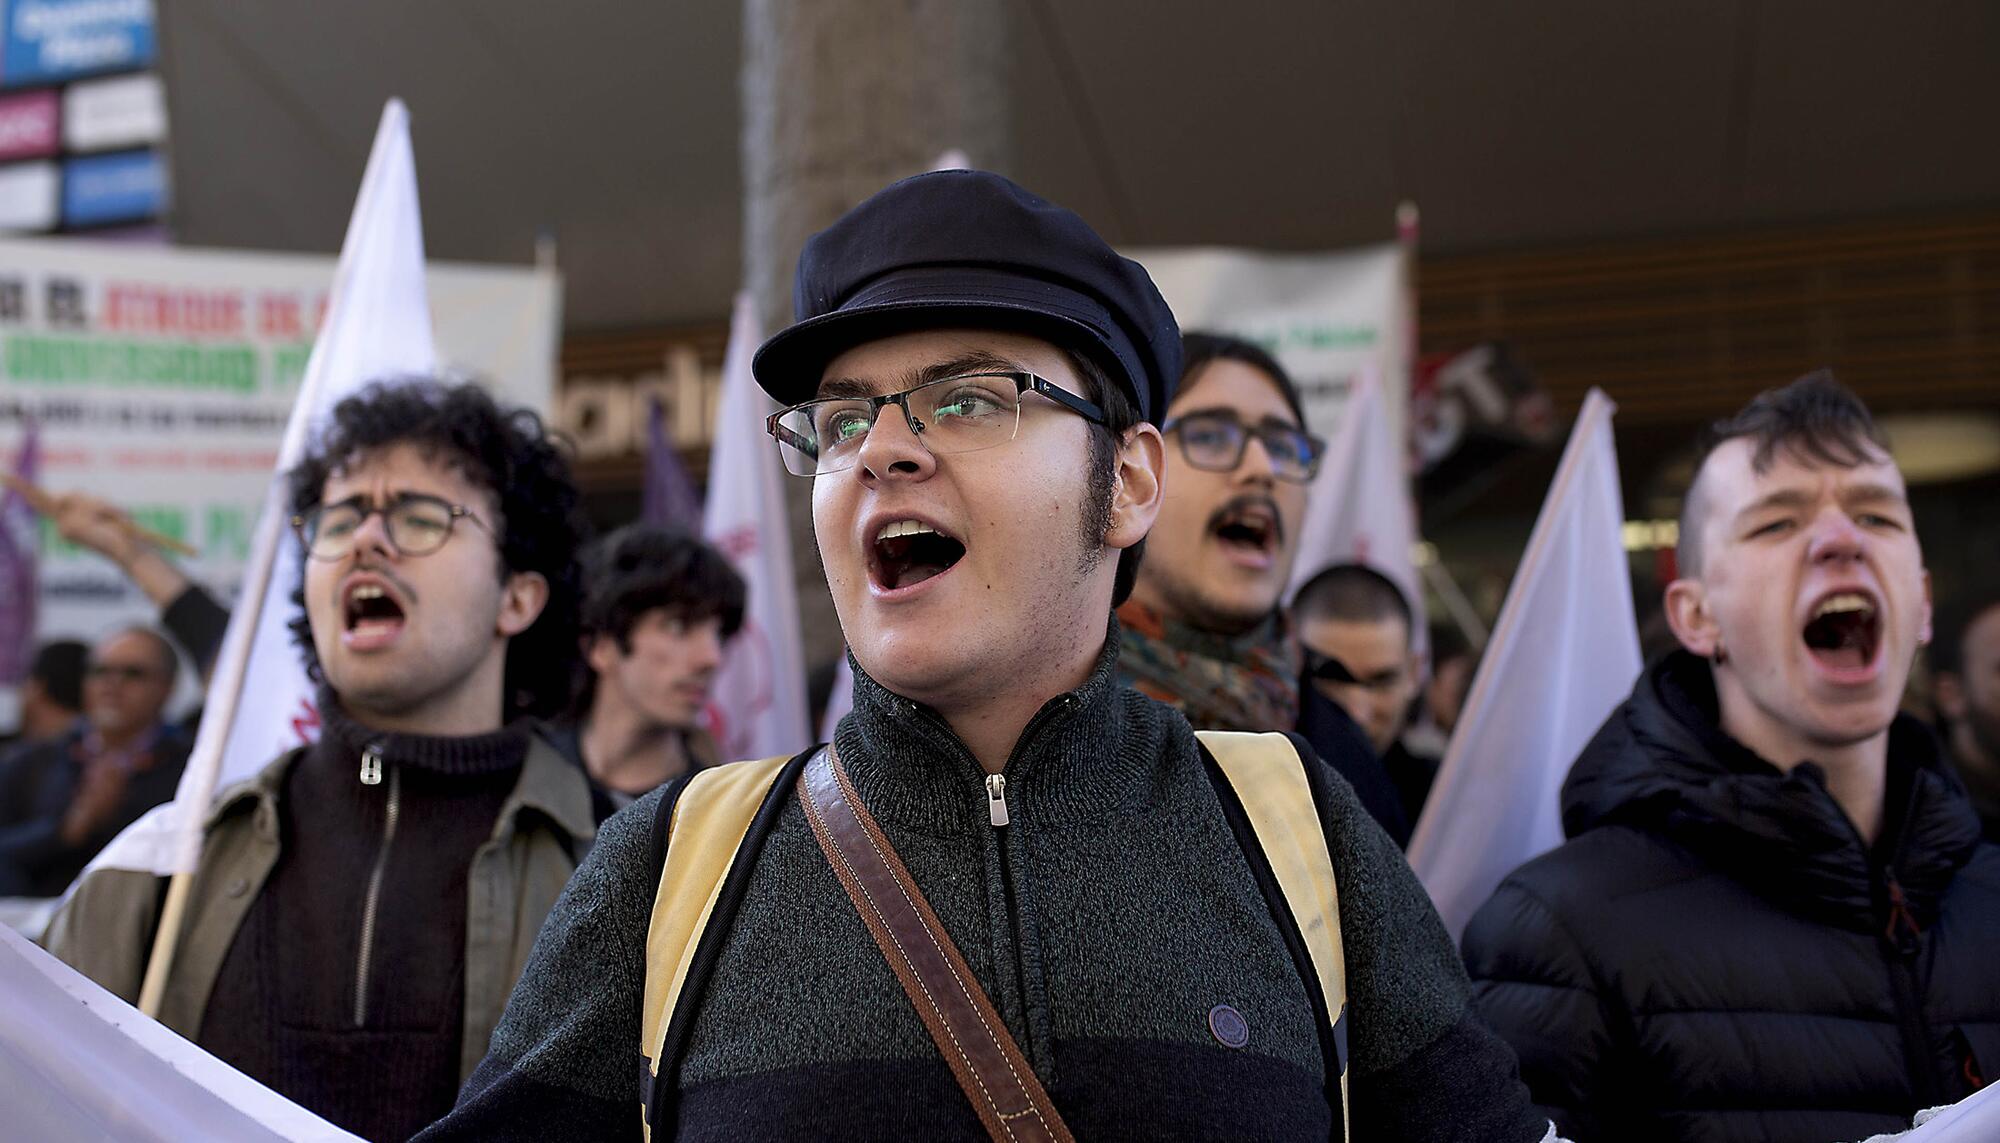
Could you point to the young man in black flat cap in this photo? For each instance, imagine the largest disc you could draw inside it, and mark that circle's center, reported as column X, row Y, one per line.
column 974, row 384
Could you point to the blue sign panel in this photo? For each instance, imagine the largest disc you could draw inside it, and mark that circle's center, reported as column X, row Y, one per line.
column 49, row 41
column 125, row 187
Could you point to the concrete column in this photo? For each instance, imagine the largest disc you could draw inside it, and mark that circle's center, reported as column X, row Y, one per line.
column 841, row 98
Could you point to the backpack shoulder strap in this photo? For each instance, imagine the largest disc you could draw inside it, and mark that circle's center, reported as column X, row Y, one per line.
column 1267, row 792
column 705, row 825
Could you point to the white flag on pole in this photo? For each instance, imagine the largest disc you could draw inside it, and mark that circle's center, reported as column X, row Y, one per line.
column 1974, row 1119
column 1358, row 509
column 377, row 325
column 77, row 1062
column 1564, row 654
column 759, row 707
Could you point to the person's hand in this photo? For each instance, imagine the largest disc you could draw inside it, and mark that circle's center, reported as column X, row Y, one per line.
column 96, row 800
column 86, row 521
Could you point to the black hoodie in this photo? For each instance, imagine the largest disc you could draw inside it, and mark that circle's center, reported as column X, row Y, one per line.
column 1717, row 955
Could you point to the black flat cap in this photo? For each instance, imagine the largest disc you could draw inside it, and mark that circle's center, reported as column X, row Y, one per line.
column 969, row 248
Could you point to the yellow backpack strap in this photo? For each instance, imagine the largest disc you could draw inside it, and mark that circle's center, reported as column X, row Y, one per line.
column 710, row 819
column 1270, row 783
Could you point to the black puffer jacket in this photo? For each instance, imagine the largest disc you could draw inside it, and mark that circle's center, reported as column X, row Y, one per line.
column 1716, row 955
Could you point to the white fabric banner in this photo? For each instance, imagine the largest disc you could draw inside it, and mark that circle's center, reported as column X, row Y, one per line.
column 1564, row 654
column 1325, row 317
column 759, row 707
column 78, row 1063
column 377, row 325
column 1974, row 1119
column 1359, row 508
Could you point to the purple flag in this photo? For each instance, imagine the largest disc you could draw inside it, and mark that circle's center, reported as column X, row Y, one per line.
column 671, row 500
column 17, row 566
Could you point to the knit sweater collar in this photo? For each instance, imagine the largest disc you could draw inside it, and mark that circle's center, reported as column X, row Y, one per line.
column 1084, row 754
column 345, row 737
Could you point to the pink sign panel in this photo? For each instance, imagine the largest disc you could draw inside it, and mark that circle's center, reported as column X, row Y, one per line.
column 29, row 128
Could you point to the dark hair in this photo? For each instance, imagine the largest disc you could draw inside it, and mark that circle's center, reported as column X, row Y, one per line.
column 1952, row 625
column 1354, row 594
column 1815, row 419
column 1201, row 347
column 58, row 666
column 1121, row 413
column 507, row 451
column 641, row 568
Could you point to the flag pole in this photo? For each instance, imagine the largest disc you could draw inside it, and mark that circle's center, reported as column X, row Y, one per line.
column 205, row 761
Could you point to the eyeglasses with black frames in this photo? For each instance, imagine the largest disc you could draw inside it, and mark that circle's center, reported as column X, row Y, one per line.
column 417, row 524
column 966, row 413
column 1214, row 440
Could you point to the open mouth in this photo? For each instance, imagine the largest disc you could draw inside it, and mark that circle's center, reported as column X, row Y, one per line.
column 1844, row 630
column 908, row 552
column 1248, row 524
column 371, row 610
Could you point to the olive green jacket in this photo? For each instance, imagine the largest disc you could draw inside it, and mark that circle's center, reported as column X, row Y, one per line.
column 105, row 929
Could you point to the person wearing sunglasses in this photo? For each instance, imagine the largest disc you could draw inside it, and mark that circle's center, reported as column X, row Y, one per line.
column 1204, row 630
column 363, row 905
column 64, row 799
column 975, row 387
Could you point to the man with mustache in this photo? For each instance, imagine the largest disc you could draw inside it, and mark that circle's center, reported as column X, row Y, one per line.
column 973, row 387
column 1204, row 631
column 1774, row 919
column 658, row 605
column 362, row 906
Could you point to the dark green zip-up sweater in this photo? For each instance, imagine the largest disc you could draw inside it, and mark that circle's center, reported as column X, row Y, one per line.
column 1106, row 921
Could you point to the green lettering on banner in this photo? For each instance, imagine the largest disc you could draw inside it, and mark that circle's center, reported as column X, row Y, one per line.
column 227, row 535
column 288, row 365
column 166, row 519
column 56, row 360
column 1330, row 337
column 52, row 543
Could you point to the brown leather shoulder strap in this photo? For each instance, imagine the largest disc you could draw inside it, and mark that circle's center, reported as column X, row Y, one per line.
column 968, row 1032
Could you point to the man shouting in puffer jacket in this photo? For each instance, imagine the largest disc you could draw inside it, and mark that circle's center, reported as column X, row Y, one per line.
column 1774, row 919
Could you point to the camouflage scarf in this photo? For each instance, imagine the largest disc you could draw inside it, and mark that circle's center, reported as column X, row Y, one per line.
column 1249, row 682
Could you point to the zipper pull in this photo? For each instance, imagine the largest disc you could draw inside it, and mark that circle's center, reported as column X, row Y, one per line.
column 1902, row 931
column 996, row 798
column 371, row 765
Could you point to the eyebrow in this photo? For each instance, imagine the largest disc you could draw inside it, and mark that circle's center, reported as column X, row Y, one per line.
column 1224, row 410
column 975, row 362
column 1799, row 498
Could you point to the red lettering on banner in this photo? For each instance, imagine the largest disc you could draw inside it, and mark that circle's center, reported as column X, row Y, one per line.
column 278, row 315
column 131, row 307
column 738, row 543
column 305, row 721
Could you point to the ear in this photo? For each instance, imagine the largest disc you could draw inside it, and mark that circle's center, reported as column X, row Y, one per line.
column 601, row 652
column 1688, row 614
column 522, row 598
column 1950, row 694
column 1140, row 485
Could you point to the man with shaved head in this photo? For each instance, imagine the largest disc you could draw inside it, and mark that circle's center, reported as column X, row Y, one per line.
column 1774, row 918
column 60, row 802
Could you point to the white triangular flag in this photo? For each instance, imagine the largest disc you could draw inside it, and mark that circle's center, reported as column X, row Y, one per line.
column 377, row 326
column 77, row 1062
column 759, row 707
column 1974, row 1119
column 1358, row 509
column 1564, row 654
